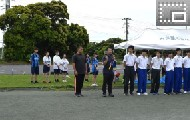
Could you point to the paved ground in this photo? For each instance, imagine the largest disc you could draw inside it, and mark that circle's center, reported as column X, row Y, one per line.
column 54, row 105
column 26, row 69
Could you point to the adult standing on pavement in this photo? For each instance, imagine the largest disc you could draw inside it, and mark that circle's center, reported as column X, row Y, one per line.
column 34, row 59
column 80, row 69
column 108, row 74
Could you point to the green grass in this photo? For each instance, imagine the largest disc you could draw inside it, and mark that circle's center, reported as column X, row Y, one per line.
column 23, row 81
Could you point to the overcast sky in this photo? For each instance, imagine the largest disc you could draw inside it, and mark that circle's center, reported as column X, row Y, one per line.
column 103, row 18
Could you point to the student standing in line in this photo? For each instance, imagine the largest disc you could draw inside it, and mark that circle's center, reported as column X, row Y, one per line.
column 34, row 59
column 142, row 63
column 64, row 67
column 129, row 63
column 94, row 69
column 156, row 65
column 178, row 61
column 108, row 74
column 88, row 61
column 186, row 73
column 80, row 69
column 169, row 67
column 56, row 66
column 46, row 67
column 114, row 68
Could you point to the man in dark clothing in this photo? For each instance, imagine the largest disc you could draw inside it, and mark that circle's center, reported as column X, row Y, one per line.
column 108, row 74
column 80, row 69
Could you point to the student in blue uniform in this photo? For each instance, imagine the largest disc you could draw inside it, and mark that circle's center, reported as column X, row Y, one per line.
column 88, row 61
column 34, row 59
column 169, row 67
column 186, row 73
column 94, row 69
column 178, row 61
column 142, row 63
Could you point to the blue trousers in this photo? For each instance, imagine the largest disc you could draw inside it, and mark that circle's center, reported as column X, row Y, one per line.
column 186, row 76
column 142, row 78
column 169, row 81
column 177, row 80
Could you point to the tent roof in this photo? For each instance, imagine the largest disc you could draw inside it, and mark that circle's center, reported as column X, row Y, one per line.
column 159, row 39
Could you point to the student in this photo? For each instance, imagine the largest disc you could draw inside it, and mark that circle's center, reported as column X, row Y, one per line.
column 169, row 67
column 56, row 66
column 108, row 74
column 80, row 69
column 88, row 61
column 94, row 69
column 64, row 67
column 186, row 73
column 46, row 67
column 129, row 62
column 114, row 68
column 178, row 61
column 34, row 59
column 142, row 63
column 156, row 65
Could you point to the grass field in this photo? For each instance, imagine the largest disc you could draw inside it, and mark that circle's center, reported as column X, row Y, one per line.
column 23, row 81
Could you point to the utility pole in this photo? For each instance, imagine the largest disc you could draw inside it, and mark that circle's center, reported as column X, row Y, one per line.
column 127, row 26
column 7, row 6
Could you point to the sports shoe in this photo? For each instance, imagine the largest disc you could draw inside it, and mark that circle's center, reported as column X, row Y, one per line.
column 145, row 93
column 64, row 81
column 36, row 82
column 93, row 85
column 103, row 95
column 138, row 93
column 96, row 85
column 185, row 92
column 125, row 94
column 111, row 95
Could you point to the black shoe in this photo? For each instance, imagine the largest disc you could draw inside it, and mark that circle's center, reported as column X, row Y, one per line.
column 126, row 94
column 86, row 80
column 131, row 93
column 57, row 80
column 111, row 95
column 81, row 95
column 103, row 95
column 32, row 82
column 36, row 82
column 77, row 95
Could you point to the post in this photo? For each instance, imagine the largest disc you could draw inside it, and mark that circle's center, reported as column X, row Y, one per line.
column 127, row 26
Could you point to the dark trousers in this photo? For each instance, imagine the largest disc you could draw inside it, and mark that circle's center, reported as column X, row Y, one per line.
column 79, row 83
column 129, row 73
column 155, row 82
column 177, row 80
column 169, row 82
column 108, row 79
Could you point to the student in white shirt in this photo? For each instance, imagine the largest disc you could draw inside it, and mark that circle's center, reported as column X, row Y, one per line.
column 142, row 63
column 186, row 73
column 156, row 65
column 46, row 67
column 169, row 67
column 64, row 67
column 56, row 66
column 178, row 61
column 129, row 62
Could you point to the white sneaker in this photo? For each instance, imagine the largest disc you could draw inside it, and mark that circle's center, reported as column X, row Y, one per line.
column 96, row 85
column 185, row 92
column 64, row 81
column 164, row 93
column 68, row 76
column 138, row 93
column 145, row 93
column 93, row 85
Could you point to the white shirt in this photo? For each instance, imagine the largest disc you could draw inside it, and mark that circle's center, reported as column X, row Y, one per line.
column 64, row 63
column 130, row 59
column 178, row 60
column 157, row 62
column 56, row 62
column 169, row 63
column 186, row 61
column 142, row 62
column 47, row 60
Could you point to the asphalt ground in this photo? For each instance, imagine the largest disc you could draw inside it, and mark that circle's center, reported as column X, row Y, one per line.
column 59, row 105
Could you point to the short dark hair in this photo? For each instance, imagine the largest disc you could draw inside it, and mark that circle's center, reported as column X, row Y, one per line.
column 170, row 52
column 56, row 51
column 35, row 48
column 132, row 47
column 144, row 50
column 178, row 49
column 157, row 51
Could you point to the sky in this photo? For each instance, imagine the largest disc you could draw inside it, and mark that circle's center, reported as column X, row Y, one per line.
column 103, row 18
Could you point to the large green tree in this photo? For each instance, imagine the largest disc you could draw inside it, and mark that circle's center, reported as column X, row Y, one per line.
column 42, row 25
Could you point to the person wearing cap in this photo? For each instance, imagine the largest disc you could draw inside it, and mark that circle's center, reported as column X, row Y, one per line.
column 178, row 61
column 142, row 63
column 129, row 62
column 186, row 73
column 169, row 67
column 34, row 59
column 108, row 74
column 156, row 65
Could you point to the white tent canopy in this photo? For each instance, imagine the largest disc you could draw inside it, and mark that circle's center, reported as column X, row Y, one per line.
column 159, row 39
